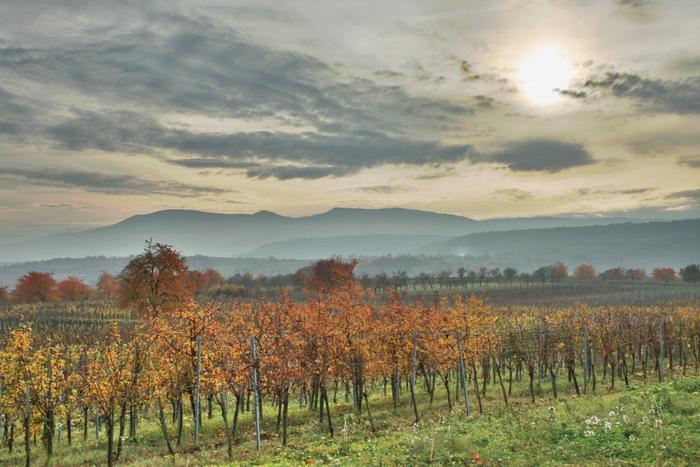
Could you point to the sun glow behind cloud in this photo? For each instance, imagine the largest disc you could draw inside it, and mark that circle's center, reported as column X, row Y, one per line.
column 542, row 72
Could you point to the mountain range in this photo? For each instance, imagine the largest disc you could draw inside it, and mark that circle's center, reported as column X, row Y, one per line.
column 339, row 231
column 385, row 240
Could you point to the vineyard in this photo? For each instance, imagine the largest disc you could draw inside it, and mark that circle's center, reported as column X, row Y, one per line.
column 335, row 348
column 331, row 373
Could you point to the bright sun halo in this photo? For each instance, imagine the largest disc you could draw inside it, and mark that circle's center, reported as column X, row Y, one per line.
column 543, row 71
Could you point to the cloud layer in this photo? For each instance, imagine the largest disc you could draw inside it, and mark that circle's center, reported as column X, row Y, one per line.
column 103, row 183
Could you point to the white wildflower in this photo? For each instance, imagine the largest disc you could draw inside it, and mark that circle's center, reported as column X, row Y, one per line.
column 593, row 421
column 607, row 425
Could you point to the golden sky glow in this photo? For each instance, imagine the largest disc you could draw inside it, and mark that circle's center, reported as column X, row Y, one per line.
column 484, row 109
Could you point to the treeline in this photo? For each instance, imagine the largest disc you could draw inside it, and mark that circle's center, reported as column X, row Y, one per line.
column 209, row 283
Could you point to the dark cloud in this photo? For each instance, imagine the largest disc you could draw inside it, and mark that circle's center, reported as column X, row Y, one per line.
column 59, row 205
column 688, row 195
column 484, row 102
column 669, row 96
column 664, row 143
column 388, row 74
column 514, row 194
column 260, row 154
column 572, row 93
column 178, row 64
column 688, row 64
column 634, row 3
column 693, row 162
column 194, row 67
column 543, row 155
column 104, row 183
column 15, row 113
column 382, row 189
column 288, row 172
column 634, row 191
column 467, row 72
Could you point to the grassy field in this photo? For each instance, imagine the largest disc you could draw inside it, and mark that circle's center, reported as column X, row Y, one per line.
column 656, row 424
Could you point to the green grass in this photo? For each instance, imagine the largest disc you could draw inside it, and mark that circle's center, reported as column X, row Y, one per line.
column 549, row 432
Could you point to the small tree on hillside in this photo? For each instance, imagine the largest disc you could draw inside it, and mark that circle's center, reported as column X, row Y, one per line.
column 509, row 274
column 542, row 274
column 559, row 272
column 691, row 273
column 157, row 279
column 665, row 275
column 107, row 286
column 635, row 275
column 73, row 289
column 585, row 272
column 35, row 287
column 329, row 274
column 613, row 274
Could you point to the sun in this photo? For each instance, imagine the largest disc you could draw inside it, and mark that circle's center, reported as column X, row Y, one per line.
column 544, row 71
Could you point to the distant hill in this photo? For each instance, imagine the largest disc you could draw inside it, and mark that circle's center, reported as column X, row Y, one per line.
column 342, row 231
column 197, row 232
column 351, row 245
column 647, row 245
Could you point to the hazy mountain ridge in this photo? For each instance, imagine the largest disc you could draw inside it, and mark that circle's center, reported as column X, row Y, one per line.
column 350, row 245
column 651, row 244
column 227, row 235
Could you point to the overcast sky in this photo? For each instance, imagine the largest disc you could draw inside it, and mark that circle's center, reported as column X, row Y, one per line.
column 484, row 109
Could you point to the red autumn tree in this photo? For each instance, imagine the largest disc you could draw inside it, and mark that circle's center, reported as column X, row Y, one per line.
column 199, row 282
column 330, row 274
column 155, row 280
column 107, row 286
column 35, row 287
column 214, row 277
column 664, row 275
column 613, row 274
column 72, row 289
column 559, row 272
column 585, row 272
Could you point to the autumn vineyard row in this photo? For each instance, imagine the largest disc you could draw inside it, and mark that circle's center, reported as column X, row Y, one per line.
column 172, row 363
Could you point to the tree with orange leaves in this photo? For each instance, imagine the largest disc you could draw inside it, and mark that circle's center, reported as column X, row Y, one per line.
column 108, row 382
column 156, row 280
column 107, row 286
column 176, row 334
column 35, row 287
column 559, row 272
column 585, row 272
column 332, row 274
column 664, row 275
column 73, row 289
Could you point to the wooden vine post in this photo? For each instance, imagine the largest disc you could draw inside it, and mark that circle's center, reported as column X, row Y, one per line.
column 256, row 395
column 197, row 398
column 463, row 373
column 413, row 376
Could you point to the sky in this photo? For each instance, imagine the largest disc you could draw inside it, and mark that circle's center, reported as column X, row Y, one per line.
column 484, row 109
